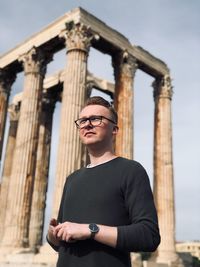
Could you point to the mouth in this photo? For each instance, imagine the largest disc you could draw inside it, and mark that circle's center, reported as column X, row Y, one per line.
column 89, row 133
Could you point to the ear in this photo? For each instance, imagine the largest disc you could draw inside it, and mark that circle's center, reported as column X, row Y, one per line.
column 115, row 130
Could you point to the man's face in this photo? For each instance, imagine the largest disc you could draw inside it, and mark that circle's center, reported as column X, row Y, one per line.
column 101, row 134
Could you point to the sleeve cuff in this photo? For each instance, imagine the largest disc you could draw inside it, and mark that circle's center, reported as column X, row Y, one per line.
column 56, row 248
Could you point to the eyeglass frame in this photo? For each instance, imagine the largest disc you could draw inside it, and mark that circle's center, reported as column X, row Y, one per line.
column 89, row 119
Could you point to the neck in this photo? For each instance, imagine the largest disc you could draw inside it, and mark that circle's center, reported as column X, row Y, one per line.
column 98, row 157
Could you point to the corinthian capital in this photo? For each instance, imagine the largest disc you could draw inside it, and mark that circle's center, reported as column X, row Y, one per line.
column 77, row 37
column 162, row 87
column 35, row 61
column 124, row 63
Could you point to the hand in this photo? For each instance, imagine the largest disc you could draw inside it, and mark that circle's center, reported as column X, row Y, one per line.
column 71, row 232
column 51, row 237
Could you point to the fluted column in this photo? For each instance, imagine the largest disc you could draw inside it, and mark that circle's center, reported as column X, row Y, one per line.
column 13, row 110
column 23, row 168
column 163, row 170
column 6, row 80
column 124, row 70
column 77, row 38
column 41, row 173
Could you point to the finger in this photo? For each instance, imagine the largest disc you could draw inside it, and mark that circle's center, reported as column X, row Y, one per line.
column 68, row 238
column 51, row 228
column 69, row 235
column 60, row 233
column 64, row 236
column 57, row 228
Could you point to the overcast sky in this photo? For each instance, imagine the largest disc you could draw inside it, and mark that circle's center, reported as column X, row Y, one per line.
column 169, row 29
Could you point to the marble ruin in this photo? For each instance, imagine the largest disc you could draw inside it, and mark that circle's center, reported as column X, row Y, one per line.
column 25, row 171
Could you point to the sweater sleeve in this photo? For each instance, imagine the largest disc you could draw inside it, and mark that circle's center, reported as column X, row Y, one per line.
column 142, row 234
column 56, row 248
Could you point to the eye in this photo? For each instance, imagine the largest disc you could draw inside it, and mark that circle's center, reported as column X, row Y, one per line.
column 95, row 118
column 82, row 121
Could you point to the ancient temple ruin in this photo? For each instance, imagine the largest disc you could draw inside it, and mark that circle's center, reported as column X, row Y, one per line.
column 25, row 171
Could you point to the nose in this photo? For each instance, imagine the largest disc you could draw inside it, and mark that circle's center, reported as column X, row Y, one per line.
column 88, row 125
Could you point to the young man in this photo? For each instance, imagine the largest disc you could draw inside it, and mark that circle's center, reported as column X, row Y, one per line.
column 107, row 208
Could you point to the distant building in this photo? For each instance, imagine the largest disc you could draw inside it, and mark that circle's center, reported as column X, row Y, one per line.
column 192, row 247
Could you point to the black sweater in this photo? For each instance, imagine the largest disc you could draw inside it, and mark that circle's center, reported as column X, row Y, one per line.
column 116, row 193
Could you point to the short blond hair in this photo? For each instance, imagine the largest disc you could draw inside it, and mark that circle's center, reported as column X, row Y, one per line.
column 98, row 100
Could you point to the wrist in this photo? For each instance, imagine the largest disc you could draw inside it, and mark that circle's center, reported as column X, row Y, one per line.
column 94, row 229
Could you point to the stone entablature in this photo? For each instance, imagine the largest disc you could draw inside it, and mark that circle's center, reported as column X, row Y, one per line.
column 57, row 79
column 110, row 41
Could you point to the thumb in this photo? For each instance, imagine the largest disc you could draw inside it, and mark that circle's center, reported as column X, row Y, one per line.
column 53, row 222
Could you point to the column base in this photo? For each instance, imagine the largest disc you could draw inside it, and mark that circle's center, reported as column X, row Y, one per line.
column 10, row 257
column 167, row 258
column 136, row 260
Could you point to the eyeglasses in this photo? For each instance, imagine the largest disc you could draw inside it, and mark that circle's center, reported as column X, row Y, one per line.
column 93, row 120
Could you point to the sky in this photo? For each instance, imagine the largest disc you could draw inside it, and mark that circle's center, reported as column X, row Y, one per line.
column 168, row 29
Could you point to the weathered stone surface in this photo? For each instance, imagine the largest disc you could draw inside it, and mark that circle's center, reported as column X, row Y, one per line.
column 73, row 98
column 163, row 171
column 124, row 71
column 14, row 117
column 25, row 258
column 41, row 172
column 23, row 167
column 6, row 80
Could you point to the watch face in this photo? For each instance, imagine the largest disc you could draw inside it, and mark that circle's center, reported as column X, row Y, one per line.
column 93, row 228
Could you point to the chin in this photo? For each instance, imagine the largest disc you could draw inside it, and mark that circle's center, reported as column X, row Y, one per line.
column 87, row 143
column 87, row 140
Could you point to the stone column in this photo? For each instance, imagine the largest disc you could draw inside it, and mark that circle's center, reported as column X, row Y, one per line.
column 6, row 80
column 163, row 170
column 124, row 70
column 77, row 38
column 23, row 168
column 13, row 110
column 42, row 172
column 125, row 67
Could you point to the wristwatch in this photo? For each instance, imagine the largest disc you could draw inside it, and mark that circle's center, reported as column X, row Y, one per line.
column 94, row 229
